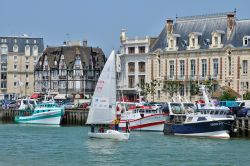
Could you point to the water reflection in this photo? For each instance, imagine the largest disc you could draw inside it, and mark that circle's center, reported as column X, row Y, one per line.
column 102, row 146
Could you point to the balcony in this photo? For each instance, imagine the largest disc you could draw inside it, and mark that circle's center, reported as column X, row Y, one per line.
column 45, row 77
column 62, row 77
column 181, row 77
column 169, row 78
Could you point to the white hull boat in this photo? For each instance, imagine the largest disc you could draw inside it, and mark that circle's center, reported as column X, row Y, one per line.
column 110, row 134
column 103, row 106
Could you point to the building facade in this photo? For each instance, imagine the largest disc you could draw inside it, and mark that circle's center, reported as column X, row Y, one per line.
column 19, row 55
column 70, row 69
column 210, row 49
column 132, row 62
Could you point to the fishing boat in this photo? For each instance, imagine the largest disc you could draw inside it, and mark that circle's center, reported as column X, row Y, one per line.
column 143, row 118
column 103, row 106
column 207, row 121
column 44, row 113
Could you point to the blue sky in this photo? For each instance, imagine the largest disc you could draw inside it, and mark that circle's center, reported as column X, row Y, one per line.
column 100, row 21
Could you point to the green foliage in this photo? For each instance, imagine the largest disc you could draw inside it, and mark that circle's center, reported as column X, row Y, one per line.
column 149, row 88
column 227, row 96
column 246, row 96
column 171, row 87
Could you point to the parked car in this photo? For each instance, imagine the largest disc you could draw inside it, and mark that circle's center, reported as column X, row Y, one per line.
column 243, row 112
column 69, row 105
column 12, row 105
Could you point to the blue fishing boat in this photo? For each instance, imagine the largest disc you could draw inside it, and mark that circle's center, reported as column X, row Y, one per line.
column 208, row 121
column 44, row 113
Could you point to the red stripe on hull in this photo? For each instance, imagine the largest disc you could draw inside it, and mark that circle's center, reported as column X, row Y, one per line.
column 144, row 125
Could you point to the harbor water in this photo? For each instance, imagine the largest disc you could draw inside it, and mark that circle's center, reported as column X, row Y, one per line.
column 52, row 145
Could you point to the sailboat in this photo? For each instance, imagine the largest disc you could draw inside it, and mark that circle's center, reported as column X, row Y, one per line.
column 103, row 106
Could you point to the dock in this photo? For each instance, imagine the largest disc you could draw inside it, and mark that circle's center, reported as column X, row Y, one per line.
column 73, row 117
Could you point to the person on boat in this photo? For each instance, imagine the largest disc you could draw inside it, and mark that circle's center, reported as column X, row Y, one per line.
column 116, row 122
column 127, row 126
column 92, row 128
column 101, row 130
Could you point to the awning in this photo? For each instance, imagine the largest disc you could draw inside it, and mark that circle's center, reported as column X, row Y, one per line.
column 60, row 96
column 35, row 96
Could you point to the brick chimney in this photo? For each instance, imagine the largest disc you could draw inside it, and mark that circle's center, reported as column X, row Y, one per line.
column 230, row 24
column 169, row 26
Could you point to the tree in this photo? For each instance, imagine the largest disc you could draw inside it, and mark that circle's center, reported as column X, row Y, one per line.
column 246, row 96
column 149, row 88
column 170, row 87
column 226, row 95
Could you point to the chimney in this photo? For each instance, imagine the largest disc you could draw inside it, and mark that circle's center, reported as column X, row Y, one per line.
column 230, row 24
column 85, row 43
column 123, row 35
column 169, row 26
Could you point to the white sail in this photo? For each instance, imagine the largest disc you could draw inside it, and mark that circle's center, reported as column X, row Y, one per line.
column 103, row 105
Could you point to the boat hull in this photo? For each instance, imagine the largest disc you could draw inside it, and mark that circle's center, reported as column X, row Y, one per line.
column 215, row 129
column 110, row 134
column 50, row 118
column 148, row 123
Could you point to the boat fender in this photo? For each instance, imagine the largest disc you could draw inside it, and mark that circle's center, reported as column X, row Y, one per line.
column 235, row 130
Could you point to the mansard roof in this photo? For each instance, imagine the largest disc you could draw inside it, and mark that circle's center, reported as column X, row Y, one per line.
column 204, row 25
column 70, row 53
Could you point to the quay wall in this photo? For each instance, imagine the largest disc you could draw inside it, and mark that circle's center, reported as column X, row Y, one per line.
column 76, row 117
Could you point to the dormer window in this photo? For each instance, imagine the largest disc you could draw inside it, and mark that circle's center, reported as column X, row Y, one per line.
column 194, row 40
column 245, row 40
column 217, row 39
column 172, row 42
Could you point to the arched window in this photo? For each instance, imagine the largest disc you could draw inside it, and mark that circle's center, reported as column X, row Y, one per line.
column 15, row 48
column 35, row 50
column 27, row 50
column 4, row 49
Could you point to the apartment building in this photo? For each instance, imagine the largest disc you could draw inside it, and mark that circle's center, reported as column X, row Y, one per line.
column 19, row 55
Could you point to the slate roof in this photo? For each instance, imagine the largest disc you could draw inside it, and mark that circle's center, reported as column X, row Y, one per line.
column 21, row 42
column 205, row 25
column 70, row 53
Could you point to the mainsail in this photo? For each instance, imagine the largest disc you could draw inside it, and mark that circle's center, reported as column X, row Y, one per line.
column 103, row 104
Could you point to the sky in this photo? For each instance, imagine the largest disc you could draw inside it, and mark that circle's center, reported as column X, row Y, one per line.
column 100, row 21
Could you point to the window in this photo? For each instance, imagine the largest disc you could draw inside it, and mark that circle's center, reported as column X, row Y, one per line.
column 141, row 80
column 27, row 67
column 4, row 58
column 245, row 40
column 216, row 40
column 27, row 84
column 27, row 75
column 14, row 75
column 131, row 67
column 201, row 119
column 193, row 68
column 15, row 58
column 181, row 89
column 193, row 42
column 141, row 49
column 142, row 67
column 245, row 67
column 27, row 59
column 15, row 67
column 35, row 50
column 4, row 49
column 182, row 68
column 27, row 50
column 131, row 50
column 204, row 68
column 131, row 81
column 215, row 67
column 189, row 119
column 15, row 48
column 171, row 69
column 35, row 41
column 15, row 84
column 171, row 43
